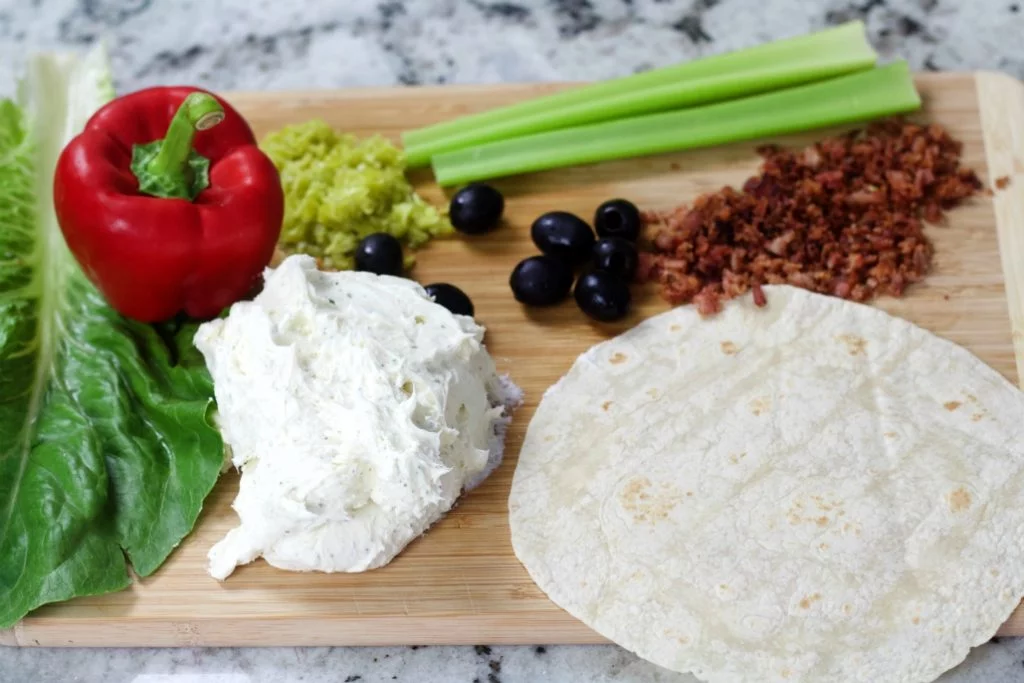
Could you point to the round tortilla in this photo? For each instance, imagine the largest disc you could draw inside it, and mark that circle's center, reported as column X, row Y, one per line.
column 813, row 491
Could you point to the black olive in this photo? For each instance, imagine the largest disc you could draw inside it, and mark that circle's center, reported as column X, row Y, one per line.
column 476, row 208
column 540, row 281
column 563, row 235
column 379, row 253
column 602, row 296
column 451, row 297
column 618, row 218
column 616, row 256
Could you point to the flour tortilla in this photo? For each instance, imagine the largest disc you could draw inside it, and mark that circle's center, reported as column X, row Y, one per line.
column 814, row 491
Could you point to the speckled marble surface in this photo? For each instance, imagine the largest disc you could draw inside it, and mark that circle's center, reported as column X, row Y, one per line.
column 253, row 44
column 328, row 43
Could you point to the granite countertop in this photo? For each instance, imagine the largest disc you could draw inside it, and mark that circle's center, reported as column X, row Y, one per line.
column 254, row 44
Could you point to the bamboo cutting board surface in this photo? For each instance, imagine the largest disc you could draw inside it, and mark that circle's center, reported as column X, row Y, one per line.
column 461, row 583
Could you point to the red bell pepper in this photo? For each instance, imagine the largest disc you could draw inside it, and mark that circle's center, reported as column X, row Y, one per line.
column 168, row 223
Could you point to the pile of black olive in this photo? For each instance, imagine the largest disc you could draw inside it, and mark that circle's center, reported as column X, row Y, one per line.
column 474, row 209
column 567, row 243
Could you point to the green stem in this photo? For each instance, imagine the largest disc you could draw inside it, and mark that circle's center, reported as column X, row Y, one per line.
column 170, row 168
column 199, row 111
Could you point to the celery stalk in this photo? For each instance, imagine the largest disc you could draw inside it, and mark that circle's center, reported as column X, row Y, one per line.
column 763, row 68
column 855, row 97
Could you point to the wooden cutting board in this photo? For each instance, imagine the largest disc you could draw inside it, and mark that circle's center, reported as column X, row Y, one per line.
column 461, row 583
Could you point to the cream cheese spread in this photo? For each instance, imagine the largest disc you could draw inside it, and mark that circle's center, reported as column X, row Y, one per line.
column 357, row 410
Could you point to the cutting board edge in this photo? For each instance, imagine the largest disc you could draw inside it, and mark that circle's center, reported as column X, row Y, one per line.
column 1001, row 107
column 535, row 629
column 525, row 628
column 376, row 91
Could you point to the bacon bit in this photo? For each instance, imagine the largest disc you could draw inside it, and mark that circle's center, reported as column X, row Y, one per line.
column 865, row 197
column 1002, row 182
column 759, row 299
column 841, row 217
column 778, row 245
column 708, row 300
column 812, row 157
column 651, row 217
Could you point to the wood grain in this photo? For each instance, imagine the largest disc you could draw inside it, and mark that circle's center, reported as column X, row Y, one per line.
column 461, row 584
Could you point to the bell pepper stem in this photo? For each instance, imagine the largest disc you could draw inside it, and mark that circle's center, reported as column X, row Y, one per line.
column 199, row 111
column 170, row 168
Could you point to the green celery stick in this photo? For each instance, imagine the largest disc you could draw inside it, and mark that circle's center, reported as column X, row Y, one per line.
column 763, row 68
column 855, row 97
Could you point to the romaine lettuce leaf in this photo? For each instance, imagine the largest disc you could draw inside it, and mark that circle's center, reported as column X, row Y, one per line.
column 107, row 447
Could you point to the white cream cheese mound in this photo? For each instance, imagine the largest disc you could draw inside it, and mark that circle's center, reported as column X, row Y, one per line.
column 357, row 410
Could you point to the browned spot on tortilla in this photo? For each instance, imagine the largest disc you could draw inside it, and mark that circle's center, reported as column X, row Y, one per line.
column 993, row 571
column 606, row 405
column 644, row 505
column 854, row 345
column 810, row 600
column 977, row 417
column 760, row 405
column 796, row 512
column 916, row 620
column 847, row 526
column 674, row 328
column 689, row 493
column 823, row 546
column 951, row 405
column 636, row 486
column 735, row 458
column 959, row 500
column 847, row 608
column 683, row 640
column 617, row 358
column 825, row 505
column 653, row 393
column 890, row 435
column 728, row 348
column 786, row 673
column 549, row 437
column 972, row 398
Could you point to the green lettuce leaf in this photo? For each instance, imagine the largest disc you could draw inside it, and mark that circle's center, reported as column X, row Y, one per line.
column 107, row 443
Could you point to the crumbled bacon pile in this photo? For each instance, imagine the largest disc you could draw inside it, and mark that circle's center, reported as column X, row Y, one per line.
column 843, row 217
